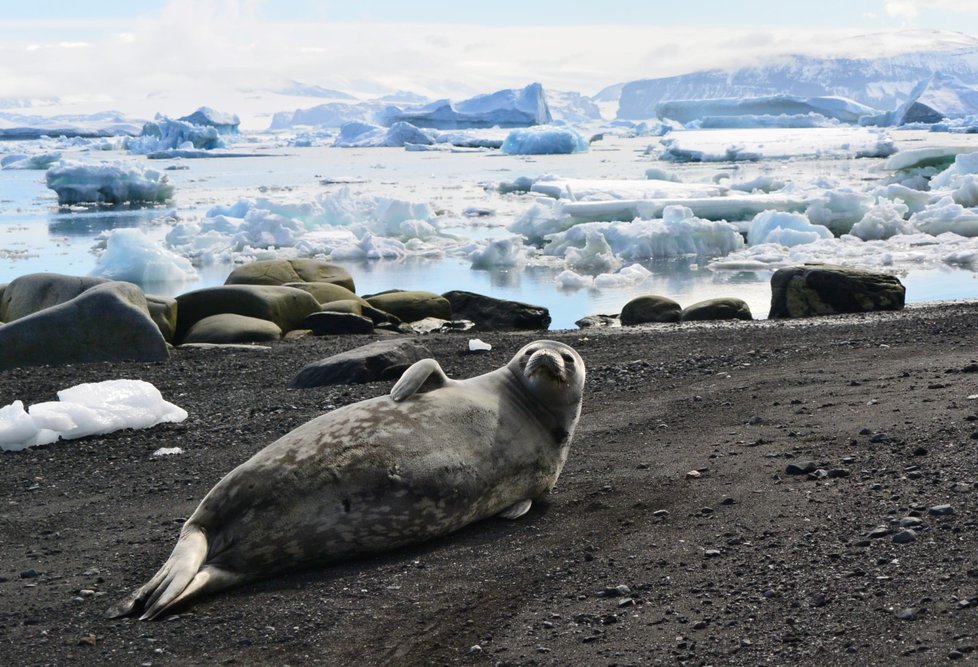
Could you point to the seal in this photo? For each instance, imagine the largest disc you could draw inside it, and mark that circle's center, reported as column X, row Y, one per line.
column 433, row 456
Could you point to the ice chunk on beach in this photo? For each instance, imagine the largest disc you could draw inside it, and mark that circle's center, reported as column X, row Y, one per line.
column 86, row 409
column 107, row 183
column 841, row 142
column 132, row 256
column 788, row 229
column 544, row 140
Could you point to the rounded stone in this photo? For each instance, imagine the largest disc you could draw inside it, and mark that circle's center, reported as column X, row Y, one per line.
column 650, row 308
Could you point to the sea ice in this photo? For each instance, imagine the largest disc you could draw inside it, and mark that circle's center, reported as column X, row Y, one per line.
column 132, row 256
column 887, row 218
column 363, row 135
column 544, row 140
column 38, row 161
column 788, row 229
column 166, row 134
column 107, row 183
column 505, row 108
column 86, row 409
column 508, row 251
column 598, row 189
column 835, row 108
column 934, row 99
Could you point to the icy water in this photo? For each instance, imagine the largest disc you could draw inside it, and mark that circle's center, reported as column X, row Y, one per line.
column 37, row 235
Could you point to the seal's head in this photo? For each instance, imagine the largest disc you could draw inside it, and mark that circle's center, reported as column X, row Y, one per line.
column 553, row 372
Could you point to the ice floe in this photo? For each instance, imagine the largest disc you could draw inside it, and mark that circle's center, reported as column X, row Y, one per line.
column 746, row 110
column 544, row 139
column 132, row 256
column 776, row 144
column 78, row 182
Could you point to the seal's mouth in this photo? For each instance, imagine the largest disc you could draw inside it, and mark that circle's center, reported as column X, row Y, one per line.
column 547, row 364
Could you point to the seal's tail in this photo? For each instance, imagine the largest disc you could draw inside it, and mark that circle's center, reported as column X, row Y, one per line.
column 183, row 576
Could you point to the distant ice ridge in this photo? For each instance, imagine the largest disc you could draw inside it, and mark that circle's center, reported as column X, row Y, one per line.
column 86, row 409
column 774, row 144
column 132, row 256
column 938, row 98
column 768, row 106
column 505, row 108
column 107, row 183
column 339, row 225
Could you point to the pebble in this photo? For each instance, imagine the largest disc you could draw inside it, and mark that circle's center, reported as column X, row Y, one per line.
column 941, row 510
column 911, row 521
column 660, row 514
column 836, row 473
column 905, row 536
column 727, row 501
column 712, row 553
column 907, row 614
column 801, row 468
column 28, row 574
column 878, row 532
column 880, row 437
column 474, row 649
column 694, row 474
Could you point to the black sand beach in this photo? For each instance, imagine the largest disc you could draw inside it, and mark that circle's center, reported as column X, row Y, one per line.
column 872, row 559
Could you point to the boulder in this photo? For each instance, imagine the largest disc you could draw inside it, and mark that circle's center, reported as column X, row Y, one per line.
column 285, row 306
column 163, row 311
column 490, row 314
column 282, row 271
column 722, row 308
column 383, row 360
column 650, row 308
column 228, row 328
column 328, row 323
column 827, row 289
column 412, row 305
column 346, row 306
column 326, row 292
column 33, row 292
column 107, row 322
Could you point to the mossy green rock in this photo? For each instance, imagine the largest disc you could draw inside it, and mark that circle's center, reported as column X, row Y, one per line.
column 828, row 289
column 285, row 306
column 283, row 271
column 163, row 311
column 34, row 292
column 327, row 292
column 411, row 306
column 228, row 328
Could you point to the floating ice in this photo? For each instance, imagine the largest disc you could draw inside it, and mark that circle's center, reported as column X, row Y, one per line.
column 225, row 123
column 597, row 189
column 165, row 133
column 934, row 99
column 505, row 108
column 363, row 135
column 595, row 257
column 503, row 252
column 544, row 139
column 107, row 183
column 946, row 215
column 677, row 233
column 776, row 144
column 39, row 161
column 918, row 158
column 86, row 409
column 798, row 121
column 788, row 229
column 132, row 256
column 887, row 218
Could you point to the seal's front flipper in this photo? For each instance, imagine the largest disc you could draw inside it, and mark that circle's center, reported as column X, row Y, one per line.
column 423, row 376
column 517, row 509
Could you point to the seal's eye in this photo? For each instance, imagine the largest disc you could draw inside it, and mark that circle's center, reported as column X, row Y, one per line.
column 568, row 359
column 529, row 352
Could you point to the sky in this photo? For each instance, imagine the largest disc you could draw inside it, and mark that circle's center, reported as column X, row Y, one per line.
column 138, row 56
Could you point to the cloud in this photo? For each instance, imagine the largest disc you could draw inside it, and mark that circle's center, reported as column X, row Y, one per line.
column 909, row 10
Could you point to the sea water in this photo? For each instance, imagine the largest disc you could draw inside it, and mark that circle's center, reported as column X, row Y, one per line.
column 38, row 235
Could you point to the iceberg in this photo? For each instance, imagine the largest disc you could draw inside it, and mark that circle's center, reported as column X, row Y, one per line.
column 940, row 97
column 544, row 140
column 834, row 108
column 132, row 256
column 364, row 135
column 503, row 252
column 22, row 126
column 39, row 161
column 107, row 183
column 224, row 123
column 94, row 408
column 333, row 114
column 505, row 108
column 165, row 133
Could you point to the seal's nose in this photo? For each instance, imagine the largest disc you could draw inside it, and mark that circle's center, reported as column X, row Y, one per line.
column 546, row 361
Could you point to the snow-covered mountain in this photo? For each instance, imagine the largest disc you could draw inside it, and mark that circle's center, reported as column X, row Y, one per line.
column 882, row 82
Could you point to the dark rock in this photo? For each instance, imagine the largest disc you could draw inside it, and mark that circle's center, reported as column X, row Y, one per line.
column 826, row 289
column 327, row 292
column 904, row 536
column 722, row 308
column 228, row 328
column 163, row 311
column 650, row 308
column 285, row 306
column 802, row 468
column 364, row 364
column 490, row 314
column 331, row 323
column 941, row 510
column 107, row 322
column 282, row 271
column 411, row 306
column 907, row 614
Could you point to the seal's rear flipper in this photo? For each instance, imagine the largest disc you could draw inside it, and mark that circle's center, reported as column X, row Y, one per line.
column 423, row 376
column 517, row 509
column 184, row 575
